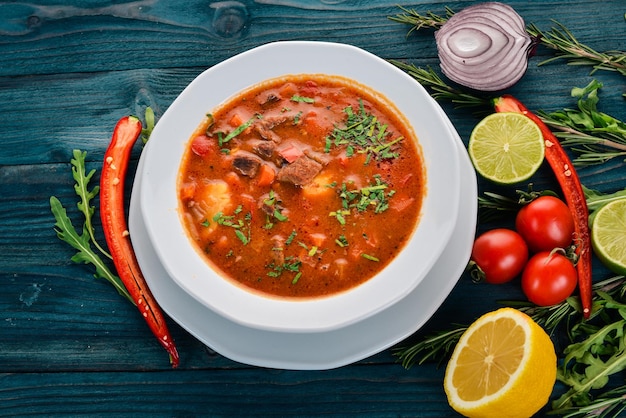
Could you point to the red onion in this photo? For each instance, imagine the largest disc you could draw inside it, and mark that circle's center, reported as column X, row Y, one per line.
column 484, row 47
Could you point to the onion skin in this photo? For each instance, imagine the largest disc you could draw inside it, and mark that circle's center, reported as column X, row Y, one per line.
column 484, row 47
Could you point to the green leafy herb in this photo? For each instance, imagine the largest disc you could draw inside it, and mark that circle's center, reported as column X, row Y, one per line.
column 420, row 21
column 364, row 134
column 594, row 135
column 375, row 196
column 442, row 91
column 301, row 99
column 342, row 241
column 273, row 210
column 291, row 237
column 369, row 257
column 291, row 264
column 567, row 47
column 81, row 187
column 340, row 215
column 240, row 226
column 238, row 130
column 434, row 347
column 296, row 277
column 82, row 241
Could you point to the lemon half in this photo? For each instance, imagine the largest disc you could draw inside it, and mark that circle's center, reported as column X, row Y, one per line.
column 504, row 365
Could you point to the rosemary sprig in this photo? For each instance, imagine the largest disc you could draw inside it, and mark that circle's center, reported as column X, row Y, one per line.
column 567, row 47
column 437, row 346
column 493, row 206
column 439, row 89
column 419, row 21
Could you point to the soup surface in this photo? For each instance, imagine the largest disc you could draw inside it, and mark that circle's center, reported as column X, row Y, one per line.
column 302, row 186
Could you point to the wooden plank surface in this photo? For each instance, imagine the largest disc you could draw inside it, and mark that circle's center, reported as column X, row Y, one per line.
column 69, row 345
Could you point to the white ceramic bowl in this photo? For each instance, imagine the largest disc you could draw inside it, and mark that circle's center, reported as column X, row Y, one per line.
column 163, row 154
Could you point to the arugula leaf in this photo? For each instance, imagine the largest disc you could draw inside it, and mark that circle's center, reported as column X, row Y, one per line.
column 82, row 179
column 80, row 242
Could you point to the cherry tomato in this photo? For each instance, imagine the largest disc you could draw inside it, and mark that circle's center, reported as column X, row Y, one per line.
column 500, row 254
column 549, row 278
column 545, row 223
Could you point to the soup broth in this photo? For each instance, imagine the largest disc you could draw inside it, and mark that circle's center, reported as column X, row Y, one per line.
column 302, row 186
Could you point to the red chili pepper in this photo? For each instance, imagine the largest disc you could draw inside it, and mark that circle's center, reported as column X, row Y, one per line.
column 573, row 192
column 112, row 212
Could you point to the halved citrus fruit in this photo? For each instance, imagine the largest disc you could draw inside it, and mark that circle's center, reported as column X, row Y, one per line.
column 506, row 148
column 504, row 365
column 608, row 235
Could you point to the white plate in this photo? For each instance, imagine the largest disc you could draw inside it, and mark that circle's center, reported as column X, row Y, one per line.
column 163, row 154
column 317, row 350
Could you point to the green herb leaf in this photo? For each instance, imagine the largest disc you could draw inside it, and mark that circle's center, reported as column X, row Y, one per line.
column 369, row 257
column 363, row 133
column 67, row 233
column 300, row 99
column 238, row 130
column 81, row 187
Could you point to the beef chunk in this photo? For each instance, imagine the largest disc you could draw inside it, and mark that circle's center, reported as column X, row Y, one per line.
column 264, row 128
column 320, row 157
column 267, row 99
column 246, row 163
column 264, row 149
column 301, row 172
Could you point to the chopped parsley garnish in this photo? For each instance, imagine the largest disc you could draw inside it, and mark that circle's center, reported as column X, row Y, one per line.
column 272, row 206
column 291, row 237
column 291, row 264
column 369, row 257
column 363, row 133
column 221, row 139
column 373, row 196
column 342, row 241
column 301, row 99
column 241, row 226
column 340, row 215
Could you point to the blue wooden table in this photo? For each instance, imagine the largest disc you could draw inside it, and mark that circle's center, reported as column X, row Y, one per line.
column 69, row 344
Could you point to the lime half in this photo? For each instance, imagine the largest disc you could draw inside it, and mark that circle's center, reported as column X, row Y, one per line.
column 506, row 148
column 608, row 235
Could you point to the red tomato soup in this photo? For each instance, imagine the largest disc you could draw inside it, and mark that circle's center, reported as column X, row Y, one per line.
column 302, row 186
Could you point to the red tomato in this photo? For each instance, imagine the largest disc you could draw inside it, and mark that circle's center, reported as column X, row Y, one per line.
column 201, row 145
column 549, row 278
column 500, row 254
column 545, row 223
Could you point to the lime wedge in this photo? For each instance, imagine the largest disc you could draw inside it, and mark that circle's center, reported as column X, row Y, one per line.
column 506, row 148
column 608, row 235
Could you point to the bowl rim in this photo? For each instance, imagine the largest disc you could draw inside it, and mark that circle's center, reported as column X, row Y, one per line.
column 192, row 273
